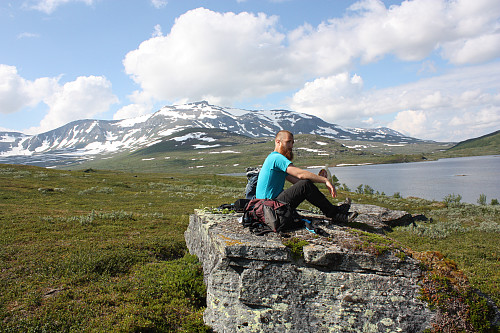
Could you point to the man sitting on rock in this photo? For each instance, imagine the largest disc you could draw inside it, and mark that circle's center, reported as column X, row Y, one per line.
column 278, row 166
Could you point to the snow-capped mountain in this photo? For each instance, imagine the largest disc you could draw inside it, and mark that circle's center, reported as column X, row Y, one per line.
column 93, row 137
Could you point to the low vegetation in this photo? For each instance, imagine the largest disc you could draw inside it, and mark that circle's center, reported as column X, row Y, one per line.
column 102, row 251
column 229, row 152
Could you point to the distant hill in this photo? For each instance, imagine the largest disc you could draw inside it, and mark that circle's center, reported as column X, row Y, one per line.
column 213, row 150
column 488, row 144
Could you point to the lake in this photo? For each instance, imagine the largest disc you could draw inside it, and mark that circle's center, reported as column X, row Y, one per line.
column 432, row 180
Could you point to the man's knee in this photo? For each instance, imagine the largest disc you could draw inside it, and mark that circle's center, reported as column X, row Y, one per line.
column 305, row 182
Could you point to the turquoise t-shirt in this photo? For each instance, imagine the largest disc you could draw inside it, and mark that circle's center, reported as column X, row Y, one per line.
column 272, row 176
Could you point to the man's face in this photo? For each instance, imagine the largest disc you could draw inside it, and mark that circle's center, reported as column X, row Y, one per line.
column 286, row 146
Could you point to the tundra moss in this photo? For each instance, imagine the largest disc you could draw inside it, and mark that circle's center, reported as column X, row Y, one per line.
column 296, row 247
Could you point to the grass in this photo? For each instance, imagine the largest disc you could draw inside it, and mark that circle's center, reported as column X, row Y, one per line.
column 104, row 250
column 234, row 151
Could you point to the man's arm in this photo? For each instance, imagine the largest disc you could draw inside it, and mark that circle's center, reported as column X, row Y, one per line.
column 292, row 179
column 296, row 174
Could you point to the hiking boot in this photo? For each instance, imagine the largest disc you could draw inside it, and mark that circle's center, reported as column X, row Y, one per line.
column 352, row 216
column 340, row 218
column 344, row 207
column 345, row 218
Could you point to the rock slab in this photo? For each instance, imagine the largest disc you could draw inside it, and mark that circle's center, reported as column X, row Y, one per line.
column 254, row 284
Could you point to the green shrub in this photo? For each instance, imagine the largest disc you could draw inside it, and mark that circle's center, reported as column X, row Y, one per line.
column 452, row 200
column 482, row 199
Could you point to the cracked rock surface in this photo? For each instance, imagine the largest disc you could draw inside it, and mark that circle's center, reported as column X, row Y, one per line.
column 347, row 282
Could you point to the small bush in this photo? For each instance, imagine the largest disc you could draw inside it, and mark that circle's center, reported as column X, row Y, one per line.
column 453, row 200
column 359, row 189
column 482, row 199
column 368, row 190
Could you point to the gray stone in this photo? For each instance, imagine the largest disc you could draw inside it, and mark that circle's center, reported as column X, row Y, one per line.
column 255, row 285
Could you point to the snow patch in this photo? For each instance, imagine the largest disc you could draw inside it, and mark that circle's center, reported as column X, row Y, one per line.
column 7, row 138
column 133, row 121
column 312, row 150
column 225, row 152
column 205, row 146
column 195, row 135
column 349, row 164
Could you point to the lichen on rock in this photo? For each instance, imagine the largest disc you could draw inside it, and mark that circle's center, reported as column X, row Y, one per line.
column 337, row 284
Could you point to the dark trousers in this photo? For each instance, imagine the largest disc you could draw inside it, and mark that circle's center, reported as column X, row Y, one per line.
column 306, row 190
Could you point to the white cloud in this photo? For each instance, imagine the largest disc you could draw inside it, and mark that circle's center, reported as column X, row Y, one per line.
column 330, row 97
column 232, row 57
column 466, row 32
column 49, row 6
column 27, row 35
column 82, row 98
column 413, row 123
column 460, row 104
column 159, row 3
column 473, row 50
column 157, row 32
column 142, row 104
column 228, row 56
column 17, row 93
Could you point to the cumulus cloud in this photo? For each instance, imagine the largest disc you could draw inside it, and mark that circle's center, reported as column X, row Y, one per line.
column 232, row 57
column 17, row 93
column 141, row 105
column 82, row 98
column 226, row 55
column 410, row 122
column 457, row 105
column 49, row 6
column 337, row 95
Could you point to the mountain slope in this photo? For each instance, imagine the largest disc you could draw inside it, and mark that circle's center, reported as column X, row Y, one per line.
column 488, row 144
column 215, row 151
column 197, row 139
column 492, row 139
column 87, row 139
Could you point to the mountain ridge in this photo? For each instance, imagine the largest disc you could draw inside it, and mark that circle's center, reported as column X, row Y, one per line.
column 90, row 136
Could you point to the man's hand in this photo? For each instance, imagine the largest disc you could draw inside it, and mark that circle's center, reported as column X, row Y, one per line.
column 297, row 174
column 331, row 188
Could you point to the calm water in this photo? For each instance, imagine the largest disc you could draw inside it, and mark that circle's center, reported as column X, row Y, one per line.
column 433, row 180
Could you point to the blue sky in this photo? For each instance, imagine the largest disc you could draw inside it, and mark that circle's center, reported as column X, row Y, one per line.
column 427, row 68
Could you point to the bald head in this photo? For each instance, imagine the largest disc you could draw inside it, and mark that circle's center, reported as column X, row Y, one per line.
column 283, row 135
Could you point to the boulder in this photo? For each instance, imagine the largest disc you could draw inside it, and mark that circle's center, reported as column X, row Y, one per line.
column 351, row 281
